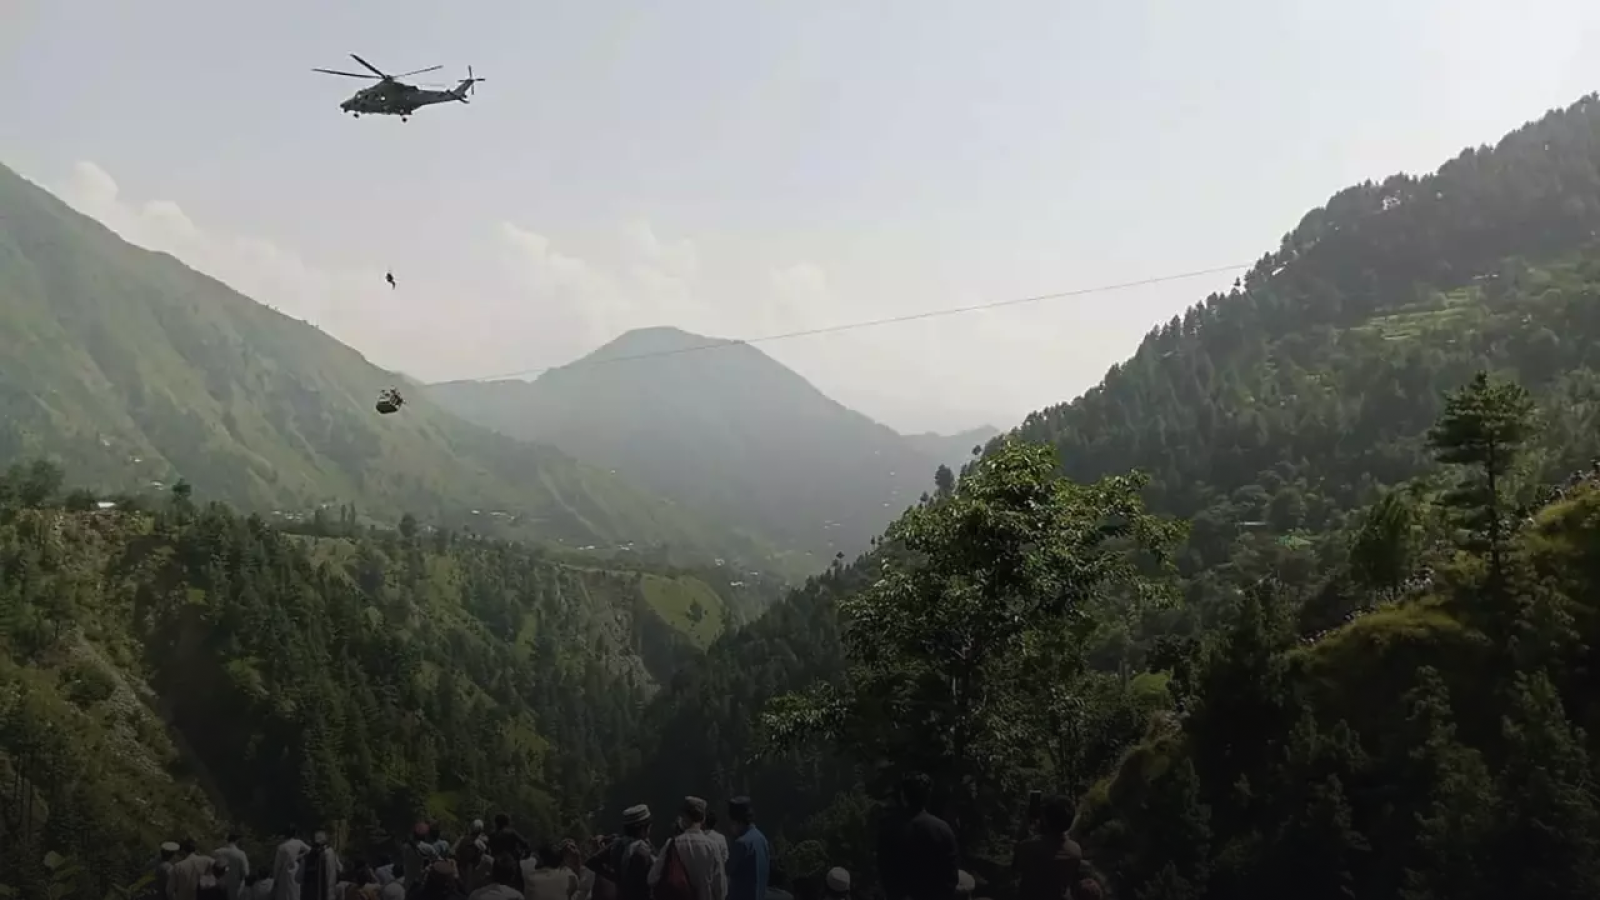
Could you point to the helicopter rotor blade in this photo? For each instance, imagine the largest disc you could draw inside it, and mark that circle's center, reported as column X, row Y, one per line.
column 346, row 74
column 419, row 71
column 374, row 69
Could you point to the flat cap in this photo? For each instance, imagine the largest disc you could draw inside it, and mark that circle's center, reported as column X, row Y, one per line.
column 635, row 815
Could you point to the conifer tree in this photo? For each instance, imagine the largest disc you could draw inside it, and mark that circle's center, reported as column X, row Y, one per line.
column 1483, row 429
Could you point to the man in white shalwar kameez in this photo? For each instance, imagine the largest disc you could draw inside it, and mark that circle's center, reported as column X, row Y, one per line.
column 286, row 867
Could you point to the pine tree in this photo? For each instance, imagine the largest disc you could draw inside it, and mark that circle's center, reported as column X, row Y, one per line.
column 1384, row 549
column 1484, row 427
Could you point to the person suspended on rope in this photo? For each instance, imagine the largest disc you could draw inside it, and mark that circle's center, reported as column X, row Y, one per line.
column 389, row 401
column 389, row 277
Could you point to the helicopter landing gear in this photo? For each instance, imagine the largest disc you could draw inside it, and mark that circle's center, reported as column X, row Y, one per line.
column 405, row 118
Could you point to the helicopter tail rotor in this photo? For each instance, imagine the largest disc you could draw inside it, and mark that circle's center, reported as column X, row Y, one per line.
column 468, row 85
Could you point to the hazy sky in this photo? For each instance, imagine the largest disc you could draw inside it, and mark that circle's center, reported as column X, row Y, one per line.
column 743, row 168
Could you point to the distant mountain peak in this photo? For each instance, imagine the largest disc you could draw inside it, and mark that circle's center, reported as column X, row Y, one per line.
column 655, row 339
column 730, row 432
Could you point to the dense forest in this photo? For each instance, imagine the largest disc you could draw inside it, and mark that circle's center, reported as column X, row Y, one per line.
column 169, row 670
column 1300, row 601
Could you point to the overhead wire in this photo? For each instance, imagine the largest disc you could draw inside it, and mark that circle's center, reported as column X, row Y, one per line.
column 871, row 323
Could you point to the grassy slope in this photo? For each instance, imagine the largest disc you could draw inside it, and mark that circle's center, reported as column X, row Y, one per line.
column 688, row 604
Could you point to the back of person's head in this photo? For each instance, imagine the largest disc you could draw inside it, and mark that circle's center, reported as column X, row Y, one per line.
column 549, row 856
column 914, row 790
column 502, row 821
column 506, row 870
column 1086, row 889
column 693, row 811
column 739, row 810
column 1056, row 814
column 234, row 837
column 186, row 846
column 288, row 831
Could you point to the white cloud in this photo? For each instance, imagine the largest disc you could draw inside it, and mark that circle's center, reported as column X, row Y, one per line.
column 342, row 301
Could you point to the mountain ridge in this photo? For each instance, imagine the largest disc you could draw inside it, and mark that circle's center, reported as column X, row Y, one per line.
column 720, row 427
column 136, row 369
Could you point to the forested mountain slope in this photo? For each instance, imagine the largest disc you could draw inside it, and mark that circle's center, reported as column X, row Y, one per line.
column 726, row 431
column 164, row 673
column 132, row 368
column 1289, row 398
column 1271, row 416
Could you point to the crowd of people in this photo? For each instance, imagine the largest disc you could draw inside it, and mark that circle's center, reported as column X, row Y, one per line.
column 917, row 859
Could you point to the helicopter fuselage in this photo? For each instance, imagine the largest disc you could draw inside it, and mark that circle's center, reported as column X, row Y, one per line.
column 394, row 100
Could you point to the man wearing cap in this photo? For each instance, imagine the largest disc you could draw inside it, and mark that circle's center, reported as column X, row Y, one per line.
column 163, row 871
column 704, row 860
column 749, row 856
column 472, row 851
column 631, row 856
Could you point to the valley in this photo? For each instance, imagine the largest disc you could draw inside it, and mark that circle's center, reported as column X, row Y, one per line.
column 1289, row 604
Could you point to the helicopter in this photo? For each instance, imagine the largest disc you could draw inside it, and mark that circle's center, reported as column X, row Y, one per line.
column 393, row 97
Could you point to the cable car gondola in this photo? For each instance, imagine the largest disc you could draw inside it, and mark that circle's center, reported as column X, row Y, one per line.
column 389, row 401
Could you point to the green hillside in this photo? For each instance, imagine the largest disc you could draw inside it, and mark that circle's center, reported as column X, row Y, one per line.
column 166, row 672
column 1271, row 419
column 728, row 432
column 134, row 369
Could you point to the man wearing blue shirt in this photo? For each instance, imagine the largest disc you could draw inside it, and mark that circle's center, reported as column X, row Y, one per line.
column 749, row 854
